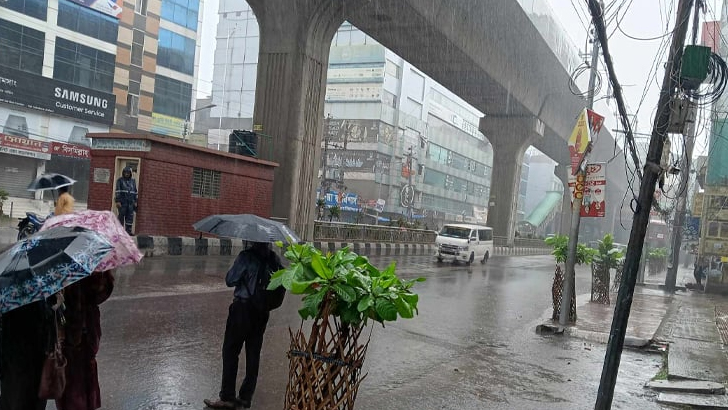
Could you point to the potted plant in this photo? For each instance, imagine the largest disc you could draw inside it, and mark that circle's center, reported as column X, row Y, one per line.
column 606, row 258
column 3, row 197
column 656, row 260
column 343, row 293
column 560, row 244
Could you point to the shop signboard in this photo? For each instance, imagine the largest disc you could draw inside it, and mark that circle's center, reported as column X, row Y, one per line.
column 346, row 201
column 70, row 150
column 32, row 91
column 167, row 125
column 119, row 144
column 24, row 147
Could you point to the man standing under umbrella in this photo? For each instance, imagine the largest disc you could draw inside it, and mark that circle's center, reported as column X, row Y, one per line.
column 246, row 323
column 64, row 204
column 126, row 199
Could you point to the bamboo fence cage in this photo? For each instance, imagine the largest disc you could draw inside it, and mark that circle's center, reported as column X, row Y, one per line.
column 325, row 367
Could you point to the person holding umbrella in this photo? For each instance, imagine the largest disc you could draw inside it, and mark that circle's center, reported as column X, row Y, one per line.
column 247, row 319
column 64, row 204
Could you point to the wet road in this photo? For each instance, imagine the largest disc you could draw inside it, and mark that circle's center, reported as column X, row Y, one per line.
column 473, row 345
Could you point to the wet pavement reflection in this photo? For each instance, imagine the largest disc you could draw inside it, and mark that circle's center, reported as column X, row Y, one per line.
column 473, row 345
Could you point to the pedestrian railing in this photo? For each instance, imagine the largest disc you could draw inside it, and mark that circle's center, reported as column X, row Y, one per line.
column 346, row 232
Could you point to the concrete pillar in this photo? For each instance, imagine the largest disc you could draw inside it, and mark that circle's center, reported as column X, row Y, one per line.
column 510, row 137
column 562, row 172
column 295, row 38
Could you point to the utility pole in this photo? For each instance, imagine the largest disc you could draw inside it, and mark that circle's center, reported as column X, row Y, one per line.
column 689, row 135
column 644, row 201
column 410, row 201
column 680, row 209
column 577, row 200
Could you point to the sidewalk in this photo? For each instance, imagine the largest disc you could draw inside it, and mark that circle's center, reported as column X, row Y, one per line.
column 693, row 325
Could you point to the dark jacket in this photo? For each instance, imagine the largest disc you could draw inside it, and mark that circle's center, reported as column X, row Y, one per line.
column 126, row 191
column 251, row 271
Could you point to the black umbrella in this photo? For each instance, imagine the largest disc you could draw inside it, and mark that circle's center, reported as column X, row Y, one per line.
column 247, row 227
column 43, row 264
column 50, row 181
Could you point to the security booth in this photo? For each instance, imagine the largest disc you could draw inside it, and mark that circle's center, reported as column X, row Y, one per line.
column 178, row 184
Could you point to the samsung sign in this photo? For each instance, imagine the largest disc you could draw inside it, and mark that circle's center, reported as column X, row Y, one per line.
column 52, row 96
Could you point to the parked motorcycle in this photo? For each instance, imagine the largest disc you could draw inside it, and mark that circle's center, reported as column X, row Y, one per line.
column 29, row 225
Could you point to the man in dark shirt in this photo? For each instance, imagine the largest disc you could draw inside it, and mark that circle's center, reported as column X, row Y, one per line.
column 246, row 323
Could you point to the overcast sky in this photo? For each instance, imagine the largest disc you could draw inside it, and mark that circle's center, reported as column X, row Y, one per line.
column 636, row 61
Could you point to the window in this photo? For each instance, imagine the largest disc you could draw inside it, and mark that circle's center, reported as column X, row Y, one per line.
column 82, row 65
column 32, row 8
column 87, row 21
column 21, row 47
column 182, row 12
column 132, row 105
column 389, row 99
column 713, row 229
column 485, row 234
column 391, row 69
column 176, row 52
column 172, row 97
column 205, row 183
column 137, row 48
column 724, row 230
column 140, row 7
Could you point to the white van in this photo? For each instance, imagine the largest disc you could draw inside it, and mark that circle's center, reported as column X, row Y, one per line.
column 464, row 242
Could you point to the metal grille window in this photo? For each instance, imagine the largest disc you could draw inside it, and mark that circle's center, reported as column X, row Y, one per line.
column 206, row 183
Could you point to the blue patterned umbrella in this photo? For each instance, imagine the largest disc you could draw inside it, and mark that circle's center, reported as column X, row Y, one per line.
column 43, row 264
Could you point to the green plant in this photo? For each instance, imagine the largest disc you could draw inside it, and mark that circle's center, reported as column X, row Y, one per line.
column 4, row 195
column 606, row 254
column 334, row 212
column 560, row 243
column 357, row 289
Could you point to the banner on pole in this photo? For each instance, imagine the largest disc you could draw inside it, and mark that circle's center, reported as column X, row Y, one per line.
column 587, row 126
column 595, row 188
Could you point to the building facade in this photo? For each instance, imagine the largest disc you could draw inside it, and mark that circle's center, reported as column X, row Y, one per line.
column 397, row 145
column 70, row 68
column 56, row 84
column 156, row 66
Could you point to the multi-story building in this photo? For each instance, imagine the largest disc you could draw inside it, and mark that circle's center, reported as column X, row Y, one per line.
column 56, row 83
column 70, row 67
column 156, row 66
column 395, row 134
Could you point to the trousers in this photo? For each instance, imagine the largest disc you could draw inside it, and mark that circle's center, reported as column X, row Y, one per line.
column 245, row 327
column 126, row 216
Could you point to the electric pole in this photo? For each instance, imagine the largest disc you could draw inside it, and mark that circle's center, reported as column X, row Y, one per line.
column 680, row 209
column 644, row 201
column 689, row 135
column 569, row 285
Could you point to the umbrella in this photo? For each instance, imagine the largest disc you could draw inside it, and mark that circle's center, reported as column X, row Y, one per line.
column 43, row 264
column 125, row 251
column 247, row 227
column 50, row 181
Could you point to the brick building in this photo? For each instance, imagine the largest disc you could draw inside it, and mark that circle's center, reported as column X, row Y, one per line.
column 178, row 183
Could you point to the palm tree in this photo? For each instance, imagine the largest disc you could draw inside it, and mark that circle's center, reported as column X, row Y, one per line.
column 334, row 212
column 320, row 205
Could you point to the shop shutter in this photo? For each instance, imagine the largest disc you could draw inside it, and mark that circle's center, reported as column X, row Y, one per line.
column 16, row 173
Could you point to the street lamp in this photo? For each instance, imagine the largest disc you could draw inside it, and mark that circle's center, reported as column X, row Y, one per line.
column 187, row 120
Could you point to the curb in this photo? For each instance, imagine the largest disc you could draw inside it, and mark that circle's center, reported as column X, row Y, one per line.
column 185, row 246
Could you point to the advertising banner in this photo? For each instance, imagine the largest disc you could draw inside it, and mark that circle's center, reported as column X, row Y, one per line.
column 346, row 201
column 36, row 92
column 109, row 7
column 71, row 150
column 595, row 188
column 589, row 124
column 166, row 125
column 359, row 161
column 24, row 147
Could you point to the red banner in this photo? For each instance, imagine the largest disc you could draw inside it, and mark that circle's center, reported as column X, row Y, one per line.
column 23, row 143
column 595, row 191
column 71, row 150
